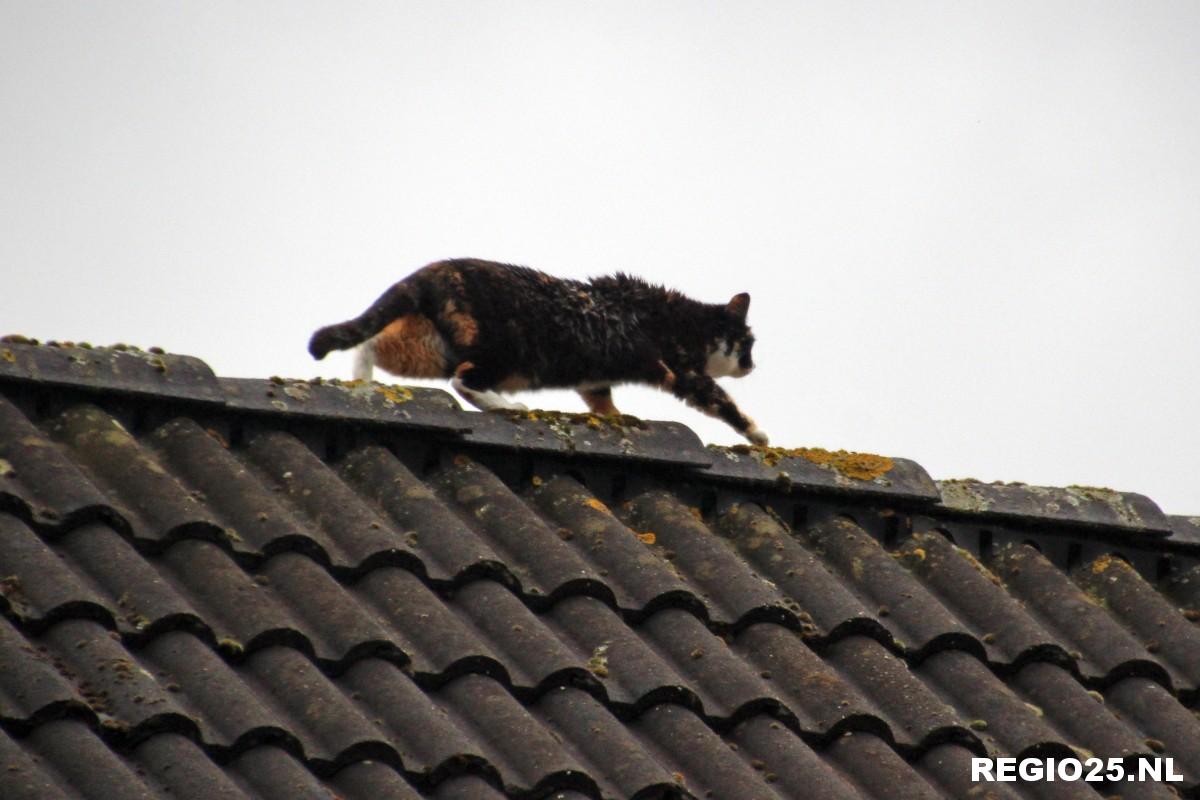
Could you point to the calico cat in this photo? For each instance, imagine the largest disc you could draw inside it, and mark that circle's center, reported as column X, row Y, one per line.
column 493, row 328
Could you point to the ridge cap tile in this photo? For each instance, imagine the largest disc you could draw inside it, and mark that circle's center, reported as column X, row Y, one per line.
column 113, row 369
column 1083, row 506
column 820, row 470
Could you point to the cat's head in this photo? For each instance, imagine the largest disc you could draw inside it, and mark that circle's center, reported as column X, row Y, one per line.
column 729, row 352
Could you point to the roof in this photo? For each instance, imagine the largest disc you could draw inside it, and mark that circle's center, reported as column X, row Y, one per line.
column 290, row 589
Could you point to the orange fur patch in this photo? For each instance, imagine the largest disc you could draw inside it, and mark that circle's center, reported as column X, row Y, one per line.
column 411, row 347
column 466, row 329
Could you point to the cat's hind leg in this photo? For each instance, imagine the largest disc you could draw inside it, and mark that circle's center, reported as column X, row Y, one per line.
column 474, row 385
column 364, row 360
column 599, row 400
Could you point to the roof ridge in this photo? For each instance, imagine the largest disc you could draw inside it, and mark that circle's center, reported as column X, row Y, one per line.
column 132, row 372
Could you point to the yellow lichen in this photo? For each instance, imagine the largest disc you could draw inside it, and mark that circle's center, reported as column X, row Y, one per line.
column 593, row 421
column 977, row 565
column 648, row 537
column 859, row 466
column 596, row 504
column 395, row 394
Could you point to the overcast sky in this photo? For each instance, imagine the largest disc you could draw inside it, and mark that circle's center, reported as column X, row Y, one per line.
column 971, row 231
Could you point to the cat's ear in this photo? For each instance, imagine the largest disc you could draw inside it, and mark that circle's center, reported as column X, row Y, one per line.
column 739, row 306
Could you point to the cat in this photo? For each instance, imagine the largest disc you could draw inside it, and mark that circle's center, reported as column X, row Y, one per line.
column 492, row 328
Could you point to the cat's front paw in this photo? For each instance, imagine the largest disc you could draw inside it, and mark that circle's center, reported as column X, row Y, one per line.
column 757, row 436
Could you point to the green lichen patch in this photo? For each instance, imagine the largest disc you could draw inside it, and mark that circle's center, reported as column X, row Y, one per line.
column 598, row 663
column 964, row 494
column 1116, row 502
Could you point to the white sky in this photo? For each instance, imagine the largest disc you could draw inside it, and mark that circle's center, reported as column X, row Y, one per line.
column 971, row 230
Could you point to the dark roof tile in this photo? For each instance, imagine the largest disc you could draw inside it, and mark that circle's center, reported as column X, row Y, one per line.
column 630, row 441
column 602, row 743
column 545, row 565
column 1150, row 710
column 416, row 512
column 65, row 758
column 368, row 780
column 221, row 704
column 182, row 770
column 822, row 700
column 966, row 588
column 914, row 712
column 1159, row 627
column 809, row 469
column 813, row 591
column 1077, row 715
column 902, row 605
column 135, row 593
column 876, row 768
column 1184, row 589
column 1074, row 505
column 472, row 787
column 1087, row 631
column 528, row 647
column 639, row 580
column 408, row 408
column 39, row 482
column 117, row 370
column 155, row 503
column 344, row 528
column 732, row 592
column 37, row 585
column 788, row 765
column 32, row 689
column 701, row 761
column 526, row 752
column 1004, row 721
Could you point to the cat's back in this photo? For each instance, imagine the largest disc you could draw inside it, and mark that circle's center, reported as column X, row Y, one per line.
column 499, row 292
column 481, row 281
column 541, row 323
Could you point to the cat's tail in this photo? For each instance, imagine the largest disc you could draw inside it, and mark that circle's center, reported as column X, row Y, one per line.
column 397, row 301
